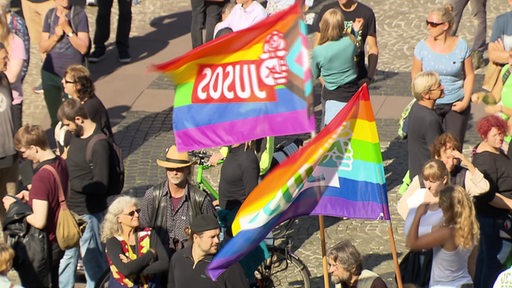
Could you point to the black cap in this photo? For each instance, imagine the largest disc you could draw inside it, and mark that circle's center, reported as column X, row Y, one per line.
column 204, row 222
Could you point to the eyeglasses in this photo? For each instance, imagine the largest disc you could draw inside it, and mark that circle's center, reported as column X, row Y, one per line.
column 433, row 24
column 132, row 213
column 69, row 82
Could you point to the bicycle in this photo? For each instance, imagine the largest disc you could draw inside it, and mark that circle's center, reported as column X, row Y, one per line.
column 202, row 157
column 283, row 268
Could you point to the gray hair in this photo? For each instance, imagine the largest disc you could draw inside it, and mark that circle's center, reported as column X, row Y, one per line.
column 110, row 226
column 346, row 255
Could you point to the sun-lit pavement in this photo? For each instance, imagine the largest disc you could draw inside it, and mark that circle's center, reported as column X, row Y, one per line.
column 140, row 105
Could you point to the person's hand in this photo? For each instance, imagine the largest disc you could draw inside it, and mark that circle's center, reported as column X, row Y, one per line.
column 215, row 158
column 23, row 195
column 366, row 80
column 358, row 24
column 65, row 153
column 64, row 24
column 499, row 44
column 8, row 200
column 124, row 259
column 460, row 106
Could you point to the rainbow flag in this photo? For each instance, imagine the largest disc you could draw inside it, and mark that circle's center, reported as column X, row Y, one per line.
column 342, row 164
column 245, row 85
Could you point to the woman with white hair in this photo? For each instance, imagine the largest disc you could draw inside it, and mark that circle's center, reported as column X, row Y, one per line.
column 136, row 256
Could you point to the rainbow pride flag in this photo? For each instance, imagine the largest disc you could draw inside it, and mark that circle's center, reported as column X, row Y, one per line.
column 342, row 165
column 245, row 85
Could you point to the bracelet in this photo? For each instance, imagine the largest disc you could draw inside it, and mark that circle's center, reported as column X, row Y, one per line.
column 70, row 34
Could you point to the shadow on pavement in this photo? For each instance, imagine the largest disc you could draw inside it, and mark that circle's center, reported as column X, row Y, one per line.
column 166, row 28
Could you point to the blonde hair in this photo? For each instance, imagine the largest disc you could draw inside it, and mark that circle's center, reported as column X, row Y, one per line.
column 423, row 83
column 459, row 212
column 434, row 170
column 446, row 13
column 6, row 257
column 110, row 226
column 332, row 27
column 5, row 31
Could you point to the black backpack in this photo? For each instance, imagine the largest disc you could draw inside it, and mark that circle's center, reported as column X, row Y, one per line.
column 116, row 169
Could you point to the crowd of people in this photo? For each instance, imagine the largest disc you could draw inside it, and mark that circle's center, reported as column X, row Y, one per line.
column 455, row 207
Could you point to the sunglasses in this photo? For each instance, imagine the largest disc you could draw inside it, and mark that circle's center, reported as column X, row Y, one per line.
column 132, row 213
column 69, row 82
column 433, row 24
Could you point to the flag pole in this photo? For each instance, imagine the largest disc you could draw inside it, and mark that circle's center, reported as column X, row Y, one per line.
column 321, row 225
column 324, row 253
column 393, row 252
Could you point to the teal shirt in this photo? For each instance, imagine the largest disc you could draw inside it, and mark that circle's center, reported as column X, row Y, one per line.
column 335, row 62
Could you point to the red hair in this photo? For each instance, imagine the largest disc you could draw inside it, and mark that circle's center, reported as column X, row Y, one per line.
column 484, row 125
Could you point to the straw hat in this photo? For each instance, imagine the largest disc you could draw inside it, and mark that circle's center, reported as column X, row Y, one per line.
column 175, row 159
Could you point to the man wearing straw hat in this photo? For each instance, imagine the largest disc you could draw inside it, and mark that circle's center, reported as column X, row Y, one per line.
column 169, row 206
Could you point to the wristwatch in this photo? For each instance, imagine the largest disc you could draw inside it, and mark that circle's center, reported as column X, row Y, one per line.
column 70, row 34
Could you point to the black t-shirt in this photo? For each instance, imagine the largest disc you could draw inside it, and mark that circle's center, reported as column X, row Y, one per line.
column 238, row 177
column 89, row 182
column 369, row 28
column 497, row 170
column 424, row 127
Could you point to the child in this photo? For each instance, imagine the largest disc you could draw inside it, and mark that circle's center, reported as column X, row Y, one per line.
column 6, row 257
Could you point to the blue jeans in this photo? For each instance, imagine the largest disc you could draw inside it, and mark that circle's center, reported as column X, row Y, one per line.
column 93, row 257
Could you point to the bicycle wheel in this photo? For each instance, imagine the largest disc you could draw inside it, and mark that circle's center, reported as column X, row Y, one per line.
column 103, row 281
column 283, row 269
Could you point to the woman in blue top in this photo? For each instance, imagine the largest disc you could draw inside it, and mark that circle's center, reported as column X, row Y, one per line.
column 449, row 56
column 334, row 61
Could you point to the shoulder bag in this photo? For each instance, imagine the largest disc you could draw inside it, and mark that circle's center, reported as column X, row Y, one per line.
column 70, row 226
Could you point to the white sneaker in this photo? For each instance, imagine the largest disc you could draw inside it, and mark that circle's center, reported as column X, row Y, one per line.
column 91, row 3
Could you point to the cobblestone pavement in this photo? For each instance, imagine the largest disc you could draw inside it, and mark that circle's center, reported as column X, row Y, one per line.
column 144, row 135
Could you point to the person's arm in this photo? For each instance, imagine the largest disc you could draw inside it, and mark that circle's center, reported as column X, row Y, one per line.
column 101, row 169
column 315, row 67
column 115, row 254
column 48, row 41
column 162, row 261
column 403, row 206
column 469, row 81
column 417, row 67
column 474, row 181
column 373, row 55
column 38, row 218
column 430, row 240
column 502, row 202
column 497, row 52
column 79, row 39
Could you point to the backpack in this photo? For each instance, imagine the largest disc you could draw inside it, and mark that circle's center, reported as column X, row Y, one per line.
column 116, row 169
column 403, row 123
column 74, row 23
